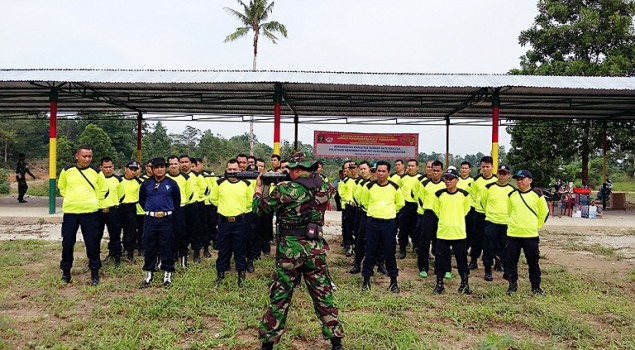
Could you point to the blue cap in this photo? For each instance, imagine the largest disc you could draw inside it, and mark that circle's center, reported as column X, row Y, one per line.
column 523, row 173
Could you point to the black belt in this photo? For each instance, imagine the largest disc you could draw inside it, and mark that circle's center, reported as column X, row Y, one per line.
column 230, row 218
column 381, row 220
column 301, row 232
column 107, row 210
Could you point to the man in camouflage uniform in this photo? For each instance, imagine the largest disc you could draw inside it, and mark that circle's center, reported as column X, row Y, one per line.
column 299, row 205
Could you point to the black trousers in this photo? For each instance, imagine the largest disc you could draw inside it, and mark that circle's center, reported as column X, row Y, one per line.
column 180, row 235
column 530, row 247
column 265, row 224
column 408, row 225
column 494, row 244
column 478, row 233
column 350, row 224
column 209, row 216
column 22, row 187
column 90, row 231
column 112, row 221
column 443, row 258
column 193, row 225
column 428, row 228
column 158, row 238
column 254, row 233
column 128, row 214
column 380, row 232
column 232, row 238
column 360, row 242
column 140, row 219
column 469, row 227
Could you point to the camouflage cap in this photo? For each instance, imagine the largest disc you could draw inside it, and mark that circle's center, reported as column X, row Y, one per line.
column 299, row 159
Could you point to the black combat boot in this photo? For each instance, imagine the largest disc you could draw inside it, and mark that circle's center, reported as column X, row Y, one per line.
column 357, row 268
column 130, row 256
column 336, row 344
column 488, row 274
column 497, row 265
column 196, row 256
column 381, row 268
column 250, row 266
column 394, row 287
column 241, row 278
column 94, row 277
column 147, row 280
column 183, row 262
column 439, row 288
column 366, row 284
column 402, row 253
column 117, row 260
column 513, row 287
column 537, row 290
column 465, row 286
column 219, row 279
column 266, row 346
column 66, row 276
column 473, row 265
column 206, row 252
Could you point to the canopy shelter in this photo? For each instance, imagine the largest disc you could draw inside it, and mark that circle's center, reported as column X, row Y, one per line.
column 313, row 97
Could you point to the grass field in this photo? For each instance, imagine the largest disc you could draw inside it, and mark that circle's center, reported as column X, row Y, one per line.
column 582, row 310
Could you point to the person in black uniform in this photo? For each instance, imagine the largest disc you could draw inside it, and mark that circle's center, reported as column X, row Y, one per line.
column 21, row 169
column 159, row 196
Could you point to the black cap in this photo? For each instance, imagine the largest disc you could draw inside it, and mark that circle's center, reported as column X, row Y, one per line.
column 523, row 173
column 504, row 168
column 158, row 161
column 451, row 173
column 132, row 164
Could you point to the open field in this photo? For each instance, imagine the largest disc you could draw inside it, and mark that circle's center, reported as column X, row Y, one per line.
column 589, row 277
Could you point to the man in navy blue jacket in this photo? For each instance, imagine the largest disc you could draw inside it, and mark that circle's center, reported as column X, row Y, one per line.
column 159, row 196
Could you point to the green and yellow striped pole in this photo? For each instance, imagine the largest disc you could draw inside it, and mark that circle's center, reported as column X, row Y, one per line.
column 53, row 97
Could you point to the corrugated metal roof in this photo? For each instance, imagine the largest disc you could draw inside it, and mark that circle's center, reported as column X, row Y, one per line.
column 395, row 98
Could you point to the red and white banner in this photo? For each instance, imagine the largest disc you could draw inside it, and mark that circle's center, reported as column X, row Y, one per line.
column 329, row 144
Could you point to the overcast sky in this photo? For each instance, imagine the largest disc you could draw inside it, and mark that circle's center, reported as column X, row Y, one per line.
column 467, row 36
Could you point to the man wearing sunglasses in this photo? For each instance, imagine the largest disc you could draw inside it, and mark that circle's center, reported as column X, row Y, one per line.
column 160, row 197
column 494, row 200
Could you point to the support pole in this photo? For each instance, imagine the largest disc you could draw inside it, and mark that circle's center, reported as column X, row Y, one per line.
column 296, row 121
column 277, row 101
column 139, row 126
column 604, row 166
column 53, row 98
column 447, row 142
column 495, row 112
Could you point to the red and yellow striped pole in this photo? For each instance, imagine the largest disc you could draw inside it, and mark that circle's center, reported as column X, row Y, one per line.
column 495, row 111
column 139, row 125
column 277, row 102
column 53, row 97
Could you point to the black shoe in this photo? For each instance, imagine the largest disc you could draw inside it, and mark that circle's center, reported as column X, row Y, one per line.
column 336, row 344
column 94, row 277
column 356, row 268
column 381, row 268
column 402, row 253
column 219, row 279
column 241, row 278
column 366, row 284
column 147, row 280
column 214, row 245
column 488, row 274
column 183, row 262
column 130, row 256
column 538, row 291
column 473, row 265
column 116, row 260
column 206, row 252
column 197, row 256
column 140, row 252
column 394, row 287
column 439, row 288
column 266, row 346
column 250, row 266
column 66, row 276
column 513, row 287
column 464, row 287
column 349, row 250
column 22, row 201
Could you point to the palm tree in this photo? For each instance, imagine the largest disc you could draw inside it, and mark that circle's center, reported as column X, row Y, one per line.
column 254, row 17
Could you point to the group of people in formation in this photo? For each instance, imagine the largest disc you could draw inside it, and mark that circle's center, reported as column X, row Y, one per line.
column 442, row 212
column 168, row 213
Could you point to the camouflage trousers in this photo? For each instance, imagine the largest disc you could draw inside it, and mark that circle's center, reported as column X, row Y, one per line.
column 297, row 258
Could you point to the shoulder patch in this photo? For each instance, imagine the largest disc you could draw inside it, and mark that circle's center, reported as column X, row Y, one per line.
column 139, row 180
column 440, row 192
column 512, row 192
column 247, row 182
column 185, row 175
column 490, row 184
column 68, row 167
column 94, row 167
column 537, row 191
column 220, row 180
column 393, row 184
column 425, row 182
column 465, row 193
